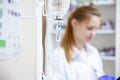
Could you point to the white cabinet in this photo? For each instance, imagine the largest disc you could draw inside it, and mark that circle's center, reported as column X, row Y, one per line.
column 107, row 39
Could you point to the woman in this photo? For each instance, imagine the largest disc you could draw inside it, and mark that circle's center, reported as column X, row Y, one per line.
column 76, row 59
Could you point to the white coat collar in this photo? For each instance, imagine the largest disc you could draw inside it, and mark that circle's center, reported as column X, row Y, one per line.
column 76, row 55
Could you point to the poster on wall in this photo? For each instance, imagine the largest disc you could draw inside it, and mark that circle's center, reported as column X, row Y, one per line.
column 10, row 28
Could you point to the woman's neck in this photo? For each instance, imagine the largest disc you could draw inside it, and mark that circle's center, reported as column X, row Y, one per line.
column 79, row 44
column 80, row 47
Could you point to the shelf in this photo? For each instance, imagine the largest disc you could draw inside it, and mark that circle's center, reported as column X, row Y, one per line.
column 104, row 2
column 111, row 58
column 98, row 32
column 98, row 2
column 105, row 31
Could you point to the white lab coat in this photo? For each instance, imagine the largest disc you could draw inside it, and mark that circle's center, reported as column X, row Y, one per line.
column 84, row 66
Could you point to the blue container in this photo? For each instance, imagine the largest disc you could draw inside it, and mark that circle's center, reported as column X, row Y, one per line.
column 107, row 77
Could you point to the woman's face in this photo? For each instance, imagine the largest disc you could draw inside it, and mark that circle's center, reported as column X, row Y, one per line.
column 86, row 30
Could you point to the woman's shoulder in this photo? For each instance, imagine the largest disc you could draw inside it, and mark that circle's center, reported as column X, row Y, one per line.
column 57, row 53
column 58, row 50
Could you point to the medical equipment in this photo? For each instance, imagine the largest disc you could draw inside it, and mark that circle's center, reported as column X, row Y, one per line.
column 57, row 9
column 49, row 8
column 58, row 32
column 43, row 77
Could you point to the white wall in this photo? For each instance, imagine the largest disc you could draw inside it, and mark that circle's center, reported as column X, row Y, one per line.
column 23, row 66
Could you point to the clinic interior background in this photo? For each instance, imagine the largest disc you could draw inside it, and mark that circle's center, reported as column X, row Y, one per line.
column 23, row 66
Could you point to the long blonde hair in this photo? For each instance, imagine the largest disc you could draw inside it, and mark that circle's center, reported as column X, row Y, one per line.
column 80, row 14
